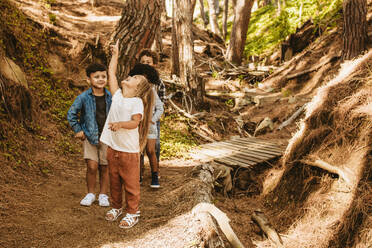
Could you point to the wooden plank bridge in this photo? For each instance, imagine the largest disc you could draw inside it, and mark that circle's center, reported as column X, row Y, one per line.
column 239, row 152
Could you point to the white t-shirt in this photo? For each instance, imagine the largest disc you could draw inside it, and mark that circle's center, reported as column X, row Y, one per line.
column 122, row 109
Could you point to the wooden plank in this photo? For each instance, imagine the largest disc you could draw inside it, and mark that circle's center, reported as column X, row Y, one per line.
column 248, row 139
column 252, row 142
column 214, row 154
column 246, row 156
column 243, row 159
column 263, row 149
column 243, row 150
column 217, row 153
column 245, row 145
column 232, row 163
column 255, row 156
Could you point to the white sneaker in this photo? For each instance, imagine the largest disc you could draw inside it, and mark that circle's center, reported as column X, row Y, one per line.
column 88, row 200
column 103, row 200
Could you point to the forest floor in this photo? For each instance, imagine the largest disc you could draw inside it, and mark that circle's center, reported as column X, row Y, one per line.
column 43, row 210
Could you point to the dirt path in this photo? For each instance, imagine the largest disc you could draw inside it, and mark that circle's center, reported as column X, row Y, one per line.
column 50, row 214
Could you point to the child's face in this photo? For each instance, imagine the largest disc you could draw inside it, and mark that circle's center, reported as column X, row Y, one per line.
column 147, row 60
column 132, row 82
column 98, row 79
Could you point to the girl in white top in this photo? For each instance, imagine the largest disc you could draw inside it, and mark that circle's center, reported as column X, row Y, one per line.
column 125, row 133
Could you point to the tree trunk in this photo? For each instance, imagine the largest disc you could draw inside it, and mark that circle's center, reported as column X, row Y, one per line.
column 239, row 31
column 193, row 3
column 175, row 55
column 157, row 45
column 136, row 30
column 183, row 21
column 265, row 3
column 279, row 7
column 213, row 18
column 202, row 13
column 355, row 28
column 225, row 16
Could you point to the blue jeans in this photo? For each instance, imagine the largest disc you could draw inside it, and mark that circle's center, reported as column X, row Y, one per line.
column 157, row 145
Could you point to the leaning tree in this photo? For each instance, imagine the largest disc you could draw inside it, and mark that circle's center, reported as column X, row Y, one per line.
column 140, row 19
column 355, row 28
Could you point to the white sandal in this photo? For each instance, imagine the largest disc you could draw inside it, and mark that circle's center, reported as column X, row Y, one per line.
column 113, row 214
column 129, row 220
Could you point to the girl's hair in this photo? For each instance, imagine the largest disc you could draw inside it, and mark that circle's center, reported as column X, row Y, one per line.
column 145, row 92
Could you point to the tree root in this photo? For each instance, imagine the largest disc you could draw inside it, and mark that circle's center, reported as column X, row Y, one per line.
column 343, row 174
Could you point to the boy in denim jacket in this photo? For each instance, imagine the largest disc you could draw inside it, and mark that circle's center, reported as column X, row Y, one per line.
column 87, row 116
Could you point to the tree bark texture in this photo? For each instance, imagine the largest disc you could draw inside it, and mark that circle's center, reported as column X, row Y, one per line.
column 224, row 18
column 183, row 23
column 136, row 30
column 355, row 28
column 239, row 31
column 175, row 56
column 202, row 13
column 193, row 4
column 213, row 18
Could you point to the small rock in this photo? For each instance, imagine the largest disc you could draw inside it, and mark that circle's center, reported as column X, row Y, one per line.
column 12, row 71
column 266, row 124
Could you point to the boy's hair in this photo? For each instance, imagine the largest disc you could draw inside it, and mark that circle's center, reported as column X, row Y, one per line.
column 148, row 71
column 149, row 53
column 146, row 93
column 94, row 67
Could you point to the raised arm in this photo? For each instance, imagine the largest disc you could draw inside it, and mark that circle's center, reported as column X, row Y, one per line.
column 113, row 82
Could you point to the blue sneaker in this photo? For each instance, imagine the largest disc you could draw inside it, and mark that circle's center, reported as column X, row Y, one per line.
column 154, row 180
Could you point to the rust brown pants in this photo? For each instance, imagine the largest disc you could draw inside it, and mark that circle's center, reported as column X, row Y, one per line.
column 124, row 169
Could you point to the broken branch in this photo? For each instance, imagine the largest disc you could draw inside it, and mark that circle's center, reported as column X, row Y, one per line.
column 330, row 168
column 223, row 222
column 264, row 224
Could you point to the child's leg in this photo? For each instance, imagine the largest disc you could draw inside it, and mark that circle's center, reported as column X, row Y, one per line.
column 92, row 167
column 103, row 179
column 142, row 165
column 157, row 146
column 150, row 151
column 129, row 171
column 91, row 159
column 103, row 169
column 115, row 179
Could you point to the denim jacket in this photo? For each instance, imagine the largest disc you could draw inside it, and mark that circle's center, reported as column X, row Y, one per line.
column 85, row 105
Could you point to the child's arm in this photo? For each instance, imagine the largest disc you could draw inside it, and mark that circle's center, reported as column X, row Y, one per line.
column 112, row 80
column 73, row 119
column 159, row 109
column 132, row 124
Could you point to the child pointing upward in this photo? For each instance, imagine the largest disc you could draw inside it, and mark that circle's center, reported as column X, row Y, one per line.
column 125, row 133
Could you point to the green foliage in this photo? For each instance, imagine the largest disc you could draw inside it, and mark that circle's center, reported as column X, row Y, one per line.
column 229, row 103
column 51, row 97
column 52, row 18
column 267, row 29
column 175, row 139
column 66, row 146
column 215, row 74
column 286, row 92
